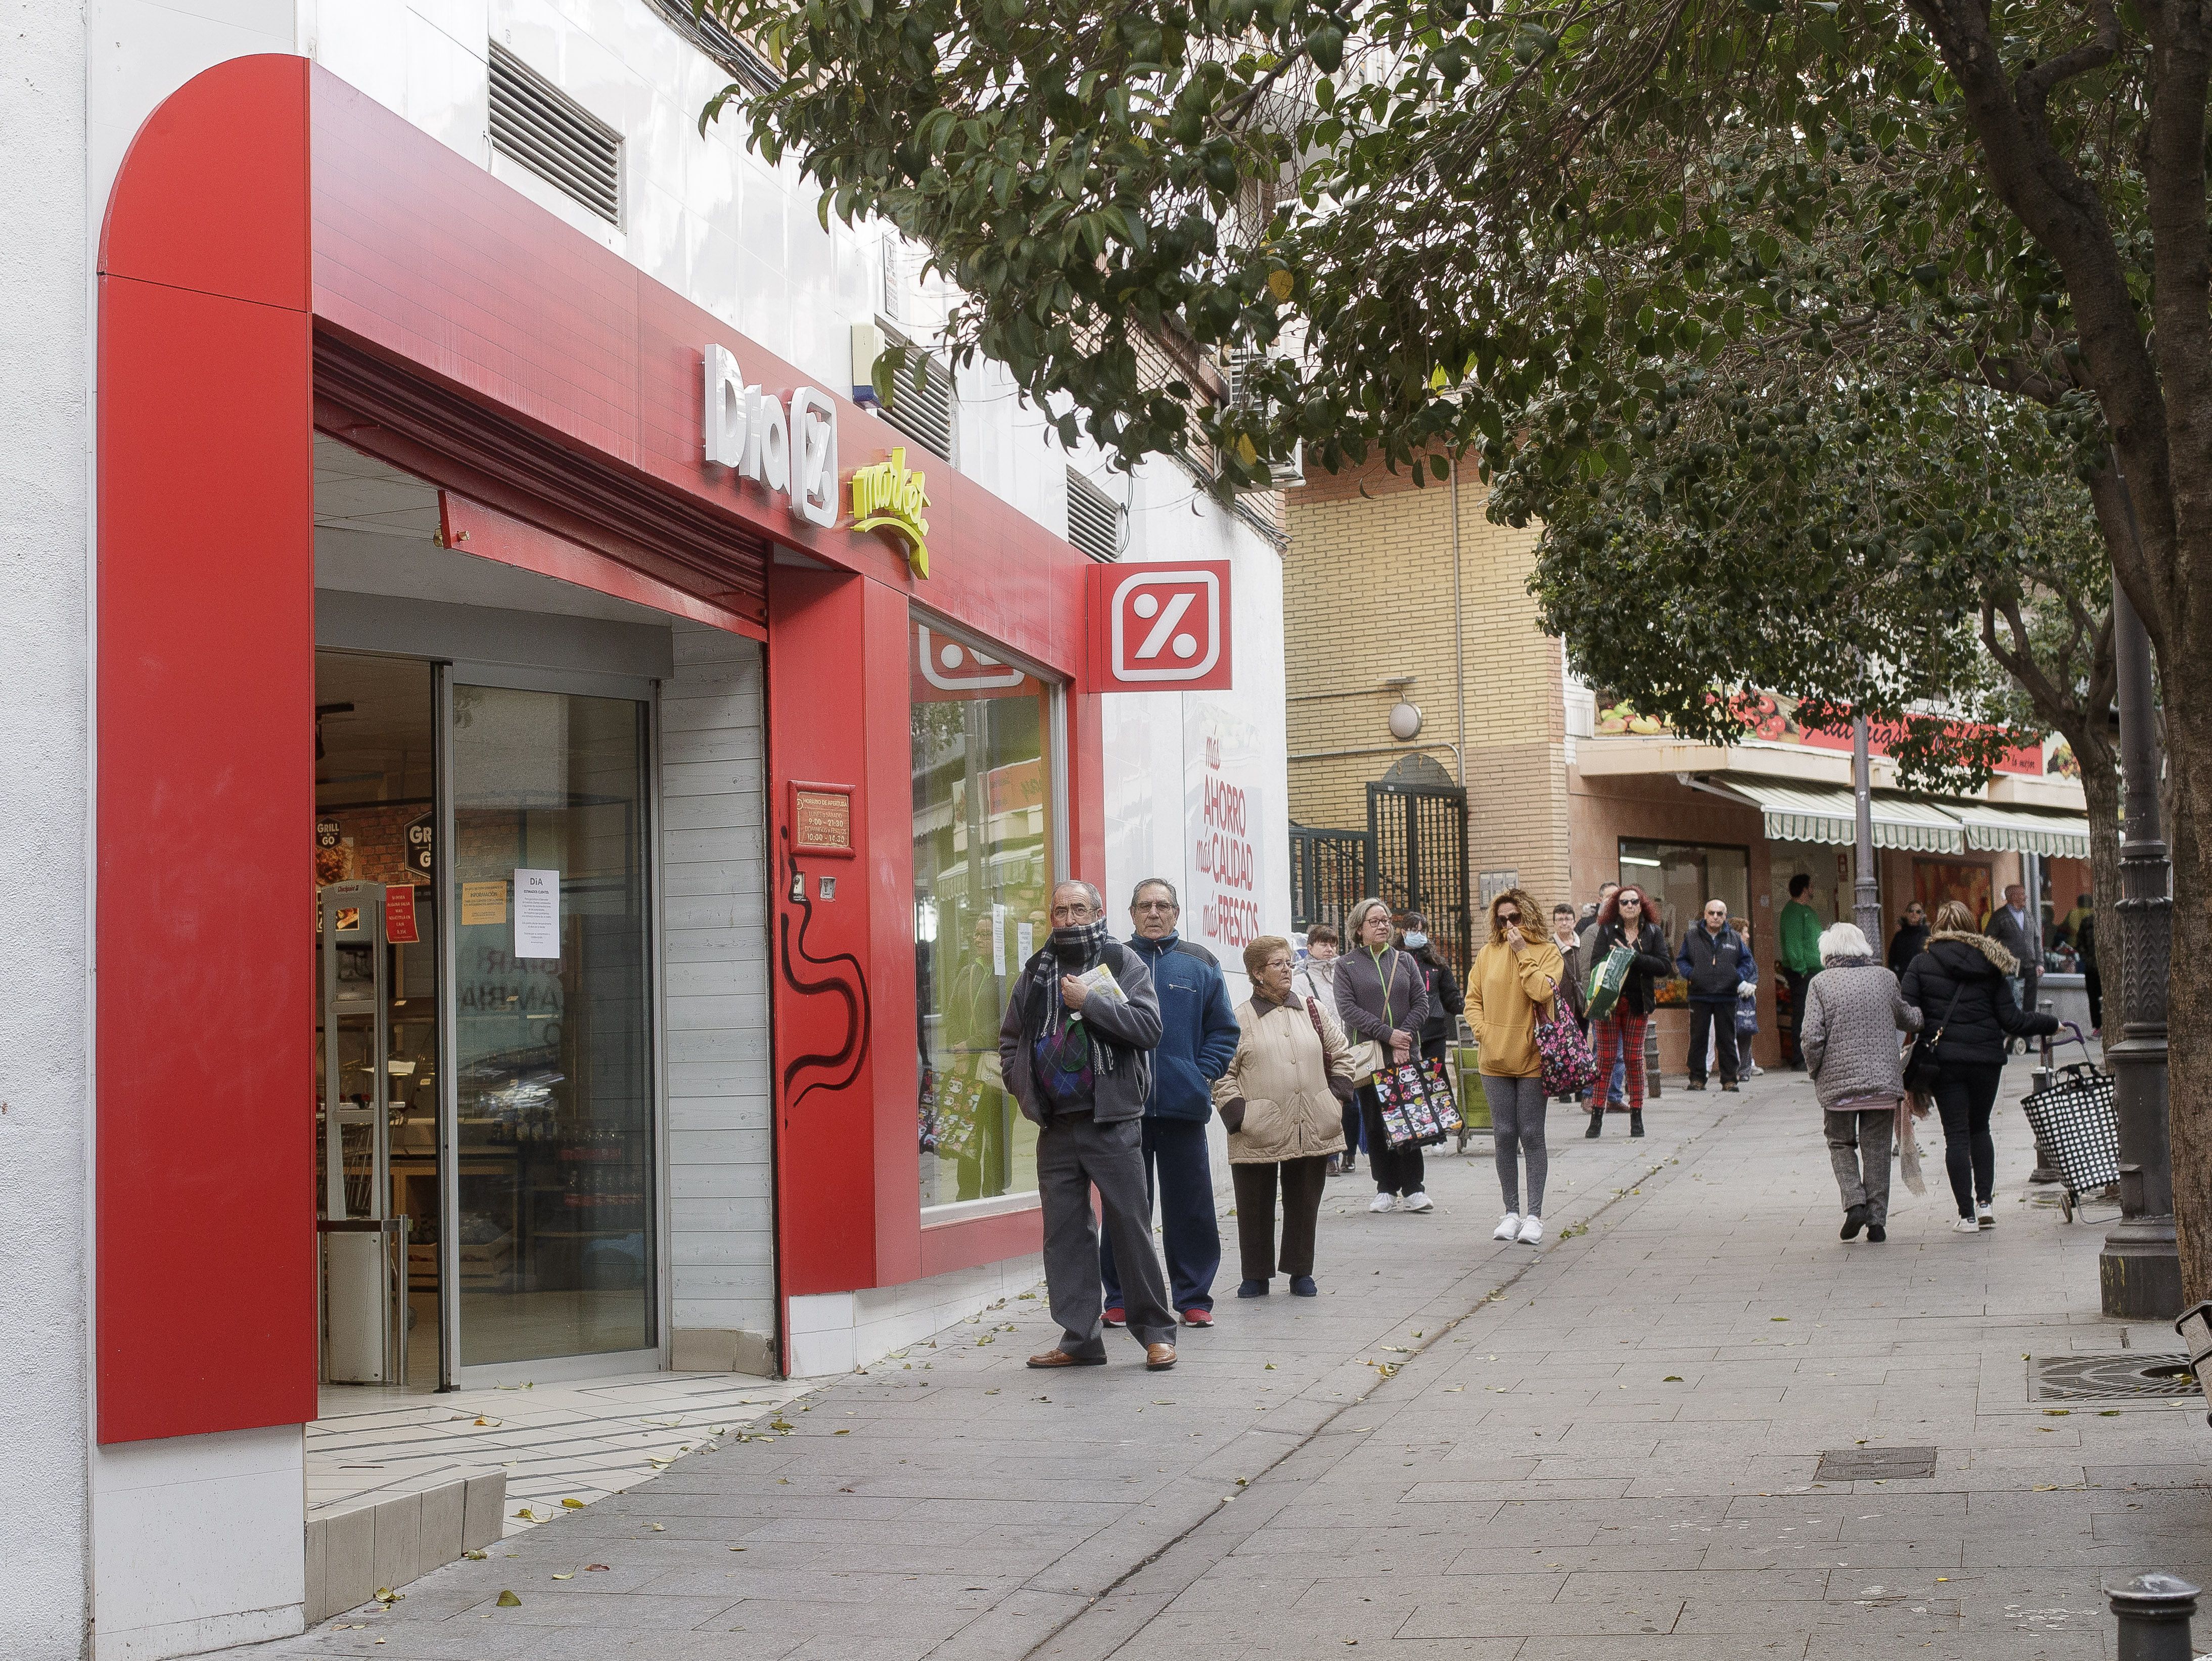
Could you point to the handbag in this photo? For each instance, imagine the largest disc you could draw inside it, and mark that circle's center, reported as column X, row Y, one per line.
column 1409, row 1112
column 1569, row 1067
column 1920, row 1065
column 1606, row 981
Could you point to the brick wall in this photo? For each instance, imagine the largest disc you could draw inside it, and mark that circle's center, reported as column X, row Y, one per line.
column 1368, row 595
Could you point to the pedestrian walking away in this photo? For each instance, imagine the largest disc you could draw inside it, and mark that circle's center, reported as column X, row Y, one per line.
column 1624, row 919
column 1514, row 983
column 1381, row 1002
column 1909, row 940
column 2020, row 933
column 1198, row 1035
column 1853, row 1012
column 1962, row 987
column 2085, row 948
column 1076, row 1049
column 1280, row 1099
column 1717, row 964
column 1799, row 927
column 1316, row 978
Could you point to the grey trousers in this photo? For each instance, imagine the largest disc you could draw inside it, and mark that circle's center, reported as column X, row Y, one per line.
column 1517, row 1131
column 1859, row 1146
column 1074, row 1154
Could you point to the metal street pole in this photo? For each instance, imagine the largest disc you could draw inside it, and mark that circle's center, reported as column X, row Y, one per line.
column 1865, row 893
column 2140, row 1267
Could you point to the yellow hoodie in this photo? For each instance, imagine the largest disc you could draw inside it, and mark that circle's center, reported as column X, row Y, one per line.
column 1503, row 996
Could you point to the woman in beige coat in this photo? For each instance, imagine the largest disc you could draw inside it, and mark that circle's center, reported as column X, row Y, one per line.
column 1282, row 1100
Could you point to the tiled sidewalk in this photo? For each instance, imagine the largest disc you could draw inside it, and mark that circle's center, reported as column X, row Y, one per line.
column 1606, row 1448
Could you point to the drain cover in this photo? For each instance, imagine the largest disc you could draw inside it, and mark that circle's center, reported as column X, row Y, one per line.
column 1883, row 1464
column 2143, row 1374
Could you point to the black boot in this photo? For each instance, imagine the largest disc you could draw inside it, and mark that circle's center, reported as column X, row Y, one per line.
column 1854, row 1219
column 1636, row 1121
column 1597, row 1121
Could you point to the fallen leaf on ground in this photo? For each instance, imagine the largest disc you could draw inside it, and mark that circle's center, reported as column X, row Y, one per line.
column 595, row 1568
column 507, row 1600
column 570, row 1576
column 473, row 1555
column 572, row 1504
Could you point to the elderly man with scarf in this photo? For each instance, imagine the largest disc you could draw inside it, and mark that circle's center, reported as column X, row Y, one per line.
column 1076, row 1057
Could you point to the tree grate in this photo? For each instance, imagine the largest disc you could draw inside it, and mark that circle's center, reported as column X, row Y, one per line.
column 2140, row 1376
column 1874, row 1465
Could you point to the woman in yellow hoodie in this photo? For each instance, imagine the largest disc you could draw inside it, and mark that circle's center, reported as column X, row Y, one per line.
column 1515, row 977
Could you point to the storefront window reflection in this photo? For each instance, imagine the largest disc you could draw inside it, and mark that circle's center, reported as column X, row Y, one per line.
column 1685, row 875
column 982, row 876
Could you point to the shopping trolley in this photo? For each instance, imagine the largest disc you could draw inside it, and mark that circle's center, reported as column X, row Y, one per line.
column 2074, row 1117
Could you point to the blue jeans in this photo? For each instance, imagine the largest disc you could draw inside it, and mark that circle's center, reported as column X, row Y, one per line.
column 1179, row 1180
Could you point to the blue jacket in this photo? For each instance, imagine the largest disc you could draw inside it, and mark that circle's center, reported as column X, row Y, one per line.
column 1198, row 1033
column 1713, row 963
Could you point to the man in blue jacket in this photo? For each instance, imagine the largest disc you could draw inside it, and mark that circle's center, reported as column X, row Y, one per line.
column 1719, row 968
column 1198, row 1039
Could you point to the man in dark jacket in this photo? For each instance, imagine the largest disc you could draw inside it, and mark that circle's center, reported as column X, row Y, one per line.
column 2020, row 933
column 1198, row 1040
column 1713, row 957
column 1077, row 1056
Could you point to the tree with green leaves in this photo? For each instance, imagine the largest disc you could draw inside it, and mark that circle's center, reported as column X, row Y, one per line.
column 1511, row 227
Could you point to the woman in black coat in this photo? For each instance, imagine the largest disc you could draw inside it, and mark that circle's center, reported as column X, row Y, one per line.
column 1626, row 919
column 1909, row 940
column 1962, row 986
column 1447, row 1001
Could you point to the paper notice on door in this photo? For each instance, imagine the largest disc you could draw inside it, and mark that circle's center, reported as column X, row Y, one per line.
column 537, row 913
column 400, row 914
column 483, row 903
column 1026, row 934
column 998, row 939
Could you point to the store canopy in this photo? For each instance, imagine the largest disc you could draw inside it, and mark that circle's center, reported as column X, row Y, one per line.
column 2000, row 827
column 1825, row 812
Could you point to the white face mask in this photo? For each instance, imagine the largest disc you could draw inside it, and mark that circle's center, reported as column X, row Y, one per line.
column 1416, row 941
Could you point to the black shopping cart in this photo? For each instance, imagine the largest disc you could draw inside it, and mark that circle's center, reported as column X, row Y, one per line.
column 2074, row 1117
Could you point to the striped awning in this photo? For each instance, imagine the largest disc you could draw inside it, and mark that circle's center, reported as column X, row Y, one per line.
column 2002, row 828
column 1798, row 811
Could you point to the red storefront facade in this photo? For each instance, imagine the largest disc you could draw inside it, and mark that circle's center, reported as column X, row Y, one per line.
column 284, row 257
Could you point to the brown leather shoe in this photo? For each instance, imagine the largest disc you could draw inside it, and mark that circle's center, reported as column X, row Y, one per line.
column 1061, row 1357
column 1159, row 1358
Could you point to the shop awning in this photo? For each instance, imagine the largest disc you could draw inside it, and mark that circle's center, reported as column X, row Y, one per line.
column 1825, row 812
column 2001, row 828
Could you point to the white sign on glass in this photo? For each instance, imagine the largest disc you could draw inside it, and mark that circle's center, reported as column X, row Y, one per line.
column 537, row 913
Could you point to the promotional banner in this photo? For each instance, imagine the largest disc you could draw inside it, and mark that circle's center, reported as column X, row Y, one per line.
column 1222, row 816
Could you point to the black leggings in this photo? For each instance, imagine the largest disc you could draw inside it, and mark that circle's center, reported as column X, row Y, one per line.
column 1966, row 1095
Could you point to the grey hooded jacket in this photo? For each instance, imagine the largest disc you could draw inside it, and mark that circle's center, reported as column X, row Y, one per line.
column 1123, row 1076
column 1853, row 1015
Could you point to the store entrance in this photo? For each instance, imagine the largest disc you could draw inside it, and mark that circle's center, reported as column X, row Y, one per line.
column 377, row 1074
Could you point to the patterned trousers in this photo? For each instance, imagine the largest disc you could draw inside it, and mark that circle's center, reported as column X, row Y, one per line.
column 1620, row 1036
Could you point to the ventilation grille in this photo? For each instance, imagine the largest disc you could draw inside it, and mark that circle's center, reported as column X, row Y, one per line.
column 534, row 123
column 737, row 59
column 923, row 414
column 1094, row 520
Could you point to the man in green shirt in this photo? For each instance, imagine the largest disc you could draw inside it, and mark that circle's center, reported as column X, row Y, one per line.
column 1800, row 959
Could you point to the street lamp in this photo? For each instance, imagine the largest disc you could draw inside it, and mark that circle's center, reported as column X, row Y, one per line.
column 1866, row 892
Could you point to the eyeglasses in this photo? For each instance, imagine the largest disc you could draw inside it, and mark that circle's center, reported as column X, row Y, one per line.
column 1630, row 905
column 1156, row 905
column 1509, row 917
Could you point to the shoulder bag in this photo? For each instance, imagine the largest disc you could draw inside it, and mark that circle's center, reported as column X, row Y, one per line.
column 1607, row 980
column 1921, row 1061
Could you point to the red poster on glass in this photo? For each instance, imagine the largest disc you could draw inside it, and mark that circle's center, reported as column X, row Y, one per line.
column 399, row 913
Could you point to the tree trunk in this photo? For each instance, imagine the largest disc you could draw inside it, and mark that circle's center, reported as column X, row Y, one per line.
column 2189, row 1014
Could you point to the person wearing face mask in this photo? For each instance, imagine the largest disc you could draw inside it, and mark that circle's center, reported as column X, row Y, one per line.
column 1076, row 1054
column 1446, row 1000
column 1383, row 1002
column 1625, row 920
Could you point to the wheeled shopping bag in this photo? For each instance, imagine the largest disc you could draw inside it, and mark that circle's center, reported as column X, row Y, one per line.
column 2076, row 1118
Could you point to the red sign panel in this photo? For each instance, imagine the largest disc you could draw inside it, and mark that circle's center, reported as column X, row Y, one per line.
column 949, row 670
column 399, row 913
column 1159, row 628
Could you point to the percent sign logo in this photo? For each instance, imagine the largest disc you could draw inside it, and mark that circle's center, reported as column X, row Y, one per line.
column 1167, row 625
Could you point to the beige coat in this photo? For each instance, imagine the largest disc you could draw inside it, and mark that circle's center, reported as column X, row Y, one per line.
column 1281, row 1070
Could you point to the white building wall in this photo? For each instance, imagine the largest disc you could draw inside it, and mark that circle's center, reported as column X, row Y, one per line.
column 45, row 292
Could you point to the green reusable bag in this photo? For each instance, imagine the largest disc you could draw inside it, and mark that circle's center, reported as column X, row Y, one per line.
column 1607, row 980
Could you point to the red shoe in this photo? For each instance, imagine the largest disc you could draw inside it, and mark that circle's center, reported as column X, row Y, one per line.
column 1198, row 1317
column 1116, row 1317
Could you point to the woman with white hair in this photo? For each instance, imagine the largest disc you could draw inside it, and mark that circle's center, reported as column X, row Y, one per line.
column 1849, row 1035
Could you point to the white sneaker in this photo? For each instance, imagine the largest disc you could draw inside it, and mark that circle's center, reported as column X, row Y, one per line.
column 1508, row 1227
column 1984, row 1216
column 1965, row 1225
column 1383, row 1203
column 1418, row 1200
column 1532, row 1230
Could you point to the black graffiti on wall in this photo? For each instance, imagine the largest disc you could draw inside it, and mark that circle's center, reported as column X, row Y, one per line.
column 839, row 1067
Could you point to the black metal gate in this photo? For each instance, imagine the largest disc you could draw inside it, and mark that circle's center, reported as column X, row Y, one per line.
column 1418, row 833
column 1331, row 872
